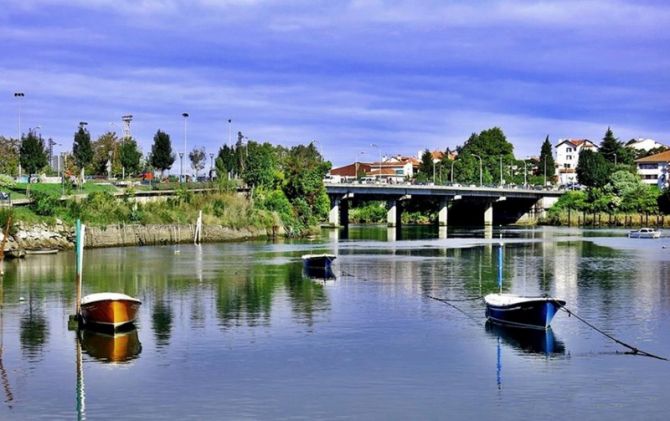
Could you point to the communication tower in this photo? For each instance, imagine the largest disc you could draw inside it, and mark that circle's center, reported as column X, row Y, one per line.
column 126, row 125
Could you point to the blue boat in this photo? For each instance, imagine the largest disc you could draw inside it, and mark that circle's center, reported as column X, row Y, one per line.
column 518, row 310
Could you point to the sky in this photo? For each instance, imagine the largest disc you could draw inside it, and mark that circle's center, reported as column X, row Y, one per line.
column 401, row 75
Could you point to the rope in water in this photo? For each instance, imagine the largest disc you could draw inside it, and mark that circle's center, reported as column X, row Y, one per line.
column 635, row 351
column 448, row 302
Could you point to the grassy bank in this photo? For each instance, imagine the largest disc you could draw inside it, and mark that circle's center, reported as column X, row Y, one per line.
column 102, row 208
column 18, row 191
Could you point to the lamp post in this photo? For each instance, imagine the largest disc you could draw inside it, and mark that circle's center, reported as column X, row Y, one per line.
column 433, row 172
column 211, row 166
column 480, row 170
column 615, row 159
column 501, row 175
column 374, row 145
column 545, row 172
column 452, row 171
column 181, row 166
column 230, row 121
column 185, row 115
column 19, row 96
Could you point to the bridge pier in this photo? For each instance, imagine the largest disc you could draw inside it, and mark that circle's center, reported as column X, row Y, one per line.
column 393, row 213
column 488, row 213
column 339, row 212
column 443, row 213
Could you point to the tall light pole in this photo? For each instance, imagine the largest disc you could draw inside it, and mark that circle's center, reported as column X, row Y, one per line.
column 181, row 167
column 19, row 96
column 501, row 171
column 480, row 170
column 433, row 171
column 545, row 172
column 185, row 115
column 230, row 133
column 126, row 134
column 211, row 166
column 615, row 159
column 452, row 171
column 374, row 145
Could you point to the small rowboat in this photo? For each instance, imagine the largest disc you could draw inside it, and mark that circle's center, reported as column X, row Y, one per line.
column 109, row 309
column 322, row 261
column 518, row 310
column 42, row 251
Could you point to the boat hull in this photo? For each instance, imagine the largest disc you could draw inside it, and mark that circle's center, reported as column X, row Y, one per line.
column 315, row 262
column 531, row 312
column 109, row 312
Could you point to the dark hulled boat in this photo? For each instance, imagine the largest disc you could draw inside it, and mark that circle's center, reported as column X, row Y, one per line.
column 516, row 310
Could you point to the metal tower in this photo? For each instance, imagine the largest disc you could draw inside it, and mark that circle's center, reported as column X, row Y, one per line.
column 126, row 125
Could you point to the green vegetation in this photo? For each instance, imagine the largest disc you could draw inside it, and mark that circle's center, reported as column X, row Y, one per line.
column 82, row 150
column 9, row 151
column 162, row 157
column 33, row 155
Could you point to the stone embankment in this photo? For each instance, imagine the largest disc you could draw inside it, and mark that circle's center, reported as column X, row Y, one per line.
column 60, row 236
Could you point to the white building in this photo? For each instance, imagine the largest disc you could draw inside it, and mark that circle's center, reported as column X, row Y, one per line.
column 567, row 158
column 641, row 144
column 654, row 169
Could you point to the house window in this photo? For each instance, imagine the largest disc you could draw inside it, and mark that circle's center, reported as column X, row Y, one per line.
column 568, row 149
column 569, row 157
column 566, row 165
column 648, row 166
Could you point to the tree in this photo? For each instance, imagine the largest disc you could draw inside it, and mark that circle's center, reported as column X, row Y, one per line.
column 82, row 150
column 130, row 156
column 304, row 169
column 104, row 150
column 593, row 169
column 198, row 157
column 32, row 153
column 614, row 151
column 226, row 161
column 9, row 151
column 162, row 157
column 260, row 165
column 492, row 146
column 547, row 160
column 426, row 165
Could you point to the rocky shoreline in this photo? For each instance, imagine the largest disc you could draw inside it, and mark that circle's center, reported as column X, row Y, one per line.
column 61, row 236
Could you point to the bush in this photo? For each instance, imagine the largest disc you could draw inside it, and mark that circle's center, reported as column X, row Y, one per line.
column 6, row 182
column 45, row 204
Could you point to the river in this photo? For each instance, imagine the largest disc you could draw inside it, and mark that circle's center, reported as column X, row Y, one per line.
column 236, row 331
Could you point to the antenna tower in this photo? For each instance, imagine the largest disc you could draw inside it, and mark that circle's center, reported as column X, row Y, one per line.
column 126, row 125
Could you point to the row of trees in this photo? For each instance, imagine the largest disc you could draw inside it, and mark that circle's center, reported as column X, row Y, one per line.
column 495, row 154
column 612, row 183
column 93, row 157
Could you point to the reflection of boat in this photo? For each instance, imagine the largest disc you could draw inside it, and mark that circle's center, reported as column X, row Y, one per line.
column 324, row 273
column 323, row 261
column 118, row 347
column 645, row 233
column 109, row 309
column 531, row 341
column 517, row 310
column 106, row 309
column 42, row 251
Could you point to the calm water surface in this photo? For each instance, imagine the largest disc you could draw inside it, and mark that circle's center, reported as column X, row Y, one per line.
column 236, row 331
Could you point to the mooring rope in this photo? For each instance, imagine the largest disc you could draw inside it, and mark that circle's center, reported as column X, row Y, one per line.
column 449, row 303
column 634, row 350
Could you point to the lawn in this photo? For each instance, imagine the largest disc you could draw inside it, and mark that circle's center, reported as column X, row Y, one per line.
column 19, row 190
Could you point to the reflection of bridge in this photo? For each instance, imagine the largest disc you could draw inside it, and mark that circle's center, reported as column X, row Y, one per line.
column 511, row 204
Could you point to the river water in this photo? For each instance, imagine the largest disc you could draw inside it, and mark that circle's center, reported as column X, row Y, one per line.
column 237, row 331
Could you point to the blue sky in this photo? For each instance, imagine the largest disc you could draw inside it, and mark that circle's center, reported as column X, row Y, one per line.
column 404, row 75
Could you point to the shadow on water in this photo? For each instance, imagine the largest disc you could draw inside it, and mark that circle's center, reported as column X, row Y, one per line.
column 118, row 347
column 537, row 342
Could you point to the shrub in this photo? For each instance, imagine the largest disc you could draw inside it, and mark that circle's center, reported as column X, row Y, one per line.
column 6, row 182
column 45, row 204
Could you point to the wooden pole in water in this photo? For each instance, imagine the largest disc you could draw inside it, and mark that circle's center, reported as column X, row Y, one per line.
column 79, row 246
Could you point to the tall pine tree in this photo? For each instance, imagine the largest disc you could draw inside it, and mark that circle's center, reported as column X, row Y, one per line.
column 32, row 154
column 162, row 157
column 82, row 150
column 547, row 160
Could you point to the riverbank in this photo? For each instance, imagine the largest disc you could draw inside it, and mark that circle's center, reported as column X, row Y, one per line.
column 60, row 236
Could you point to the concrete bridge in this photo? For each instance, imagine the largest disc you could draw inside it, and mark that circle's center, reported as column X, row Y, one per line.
column 507, row 204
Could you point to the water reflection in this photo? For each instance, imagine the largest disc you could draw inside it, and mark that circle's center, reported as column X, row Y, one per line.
column 527, row 341
column 119, row 347
column 319, row 273
column 161, row 322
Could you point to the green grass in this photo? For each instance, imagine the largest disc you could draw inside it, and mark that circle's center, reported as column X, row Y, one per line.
column 19, row 190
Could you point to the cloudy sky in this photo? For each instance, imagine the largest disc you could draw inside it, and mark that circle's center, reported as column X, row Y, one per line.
column 404, row 75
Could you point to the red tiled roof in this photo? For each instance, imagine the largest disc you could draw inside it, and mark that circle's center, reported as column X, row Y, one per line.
column 350, row 170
